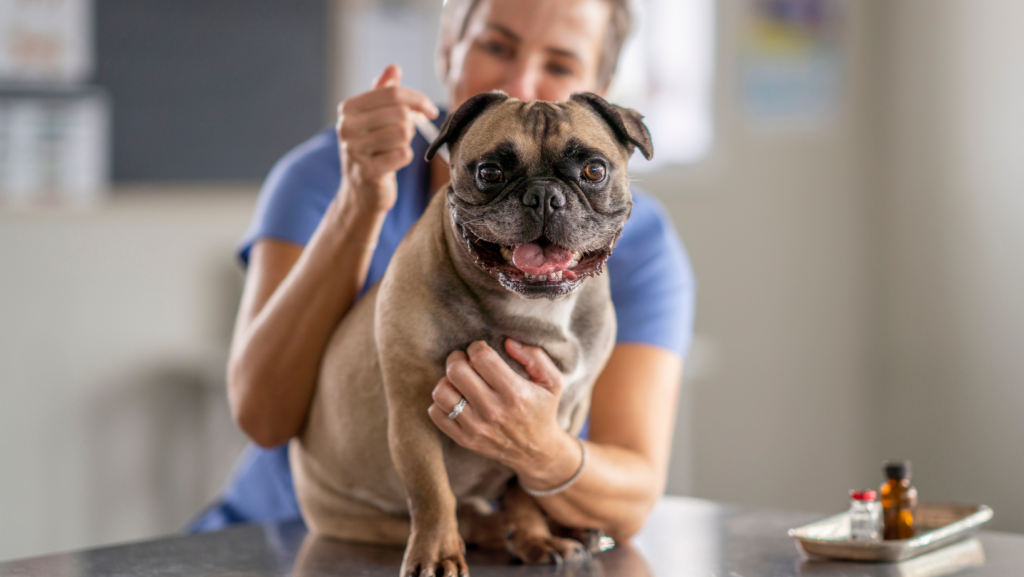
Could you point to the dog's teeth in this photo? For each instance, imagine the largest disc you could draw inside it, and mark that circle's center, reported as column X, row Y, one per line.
column 528, row 276
column 577, row 255
column 506, row 253
column 555, row 275
column 574, row 262
column 542, row 277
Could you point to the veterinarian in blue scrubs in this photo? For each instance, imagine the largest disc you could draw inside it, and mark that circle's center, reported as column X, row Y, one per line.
column 331, row 214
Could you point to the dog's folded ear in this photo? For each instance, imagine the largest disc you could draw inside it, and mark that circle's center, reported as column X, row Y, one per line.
column 627, row 123
column 457, row 121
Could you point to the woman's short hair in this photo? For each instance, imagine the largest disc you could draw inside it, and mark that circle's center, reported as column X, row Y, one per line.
column 455, row 17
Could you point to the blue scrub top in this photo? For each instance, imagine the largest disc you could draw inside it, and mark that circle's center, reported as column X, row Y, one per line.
column 652, row 287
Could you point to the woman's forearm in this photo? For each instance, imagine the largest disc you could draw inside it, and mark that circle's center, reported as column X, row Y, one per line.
column 615, row 491
column 287, row 316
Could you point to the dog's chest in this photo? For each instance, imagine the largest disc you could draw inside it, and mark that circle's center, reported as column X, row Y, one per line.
column 553, row 324
column 550, row 314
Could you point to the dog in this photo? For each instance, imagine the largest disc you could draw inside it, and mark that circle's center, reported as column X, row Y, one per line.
column 512, row 248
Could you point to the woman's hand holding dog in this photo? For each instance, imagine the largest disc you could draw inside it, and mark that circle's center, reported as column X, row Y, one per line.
column 508, row 418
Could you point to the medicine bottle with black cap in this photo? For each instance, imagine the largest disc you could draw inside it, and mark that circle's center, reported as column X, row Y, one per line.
column 899, row 501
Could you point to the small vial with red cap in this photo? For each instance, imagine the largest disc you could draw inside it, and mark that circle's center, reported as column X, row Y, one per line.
column 865, row 516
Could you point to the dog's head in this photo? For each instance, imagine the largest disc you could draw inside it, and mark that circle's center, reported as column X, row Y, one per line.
column 539, row 190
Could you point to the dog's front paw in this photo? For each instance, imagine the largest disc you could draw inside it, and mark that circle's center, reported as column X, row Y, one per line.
column 545, row 549
column 435, row 556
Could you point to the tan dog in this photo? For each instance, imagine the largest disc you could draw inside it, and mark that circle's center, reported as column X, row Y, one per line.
column 513, row 248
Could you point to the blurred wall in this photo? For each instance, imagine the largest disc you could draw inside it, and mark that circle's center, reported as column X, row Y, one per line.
column 229, row 86
column 778, row 223
column 951, row 396
column 114, row 327
column 861, row 284
column 368, row 35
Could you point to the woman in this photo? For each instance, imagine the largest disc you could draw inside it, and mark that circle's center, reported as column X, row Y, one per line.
column 331, row 214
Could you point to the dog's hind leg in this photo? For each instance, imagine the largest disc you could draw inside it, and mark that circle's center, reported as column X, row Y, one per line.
column 529, row 536
column 482, row 530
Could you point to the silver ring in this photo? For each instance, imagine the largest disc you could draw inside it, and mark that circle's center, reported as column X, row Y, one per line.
column 458, row 409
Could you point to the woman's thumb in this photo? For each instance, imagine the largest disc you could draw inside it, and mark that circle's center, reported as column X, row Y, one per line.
column 391, row 76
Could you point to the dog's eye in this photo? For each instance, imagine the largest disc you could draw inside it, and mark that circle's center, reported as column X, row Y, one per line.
column 490, row 173
column 594, row 172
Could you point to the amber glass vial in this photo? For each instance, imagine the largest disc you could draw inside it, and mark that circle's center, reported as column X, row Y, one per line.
column 899, row 501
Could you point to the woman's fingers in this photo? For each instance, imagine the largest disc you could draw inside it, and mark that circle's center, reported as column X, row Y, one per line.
column 464, row 377
column 538, row 364
column 381, row 140
column 494, row 370
column 390, row 76
column 448, row 426
column 357, row 125
column 375, row 132
column 455, row 356
column 388, row 96
column 385, row 162
column 445, row 395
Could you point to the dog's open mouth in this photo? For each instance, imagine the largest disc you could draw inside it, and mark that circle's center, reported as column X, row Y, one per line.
column 536, row 264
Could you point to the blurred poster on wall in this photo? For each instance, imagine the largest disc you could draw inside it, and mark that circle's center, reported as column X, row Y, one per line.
column 54, row 148
column 54, row 130
column 45, row 40
column 792, row 60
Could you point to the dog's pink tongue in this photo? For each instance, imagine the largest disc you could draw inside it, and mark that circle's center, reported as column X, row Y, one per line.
column 532, row 258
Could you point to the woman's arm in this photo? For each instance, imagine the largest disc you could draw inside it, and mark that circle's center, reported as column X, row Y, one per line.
column 632, row 418
column 511, row 419
column 294, row 297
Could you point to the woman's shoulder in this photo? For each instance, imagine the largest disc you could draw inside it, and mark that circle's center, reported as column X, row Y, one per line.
column 296, row 193
column 302, row 184
column 648, row 234
column 314, row 162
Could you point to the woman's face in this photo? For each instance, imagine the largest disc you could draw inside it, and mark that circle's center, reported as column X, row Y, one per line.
column 531, row 49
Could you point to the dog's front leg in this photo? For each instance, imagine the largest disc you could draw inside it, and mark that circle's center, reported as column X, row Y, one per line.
column 435, row 547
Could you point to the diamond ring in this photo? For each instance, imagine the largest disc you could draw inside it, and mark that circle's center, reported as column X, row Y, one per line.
column 458, row 409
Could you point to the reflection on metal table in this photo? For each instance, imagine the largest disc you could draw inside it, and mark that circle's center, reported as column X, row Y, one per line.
column 684, row 537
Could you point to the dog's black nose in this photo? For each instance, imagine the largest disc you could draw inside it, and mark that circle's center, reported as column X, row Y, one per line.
column 544, row 198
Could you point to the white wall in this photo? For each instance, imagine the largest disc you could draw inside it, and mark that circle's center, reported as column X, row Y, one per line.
column 114, row 324
column 778, row 224
column 952, row 394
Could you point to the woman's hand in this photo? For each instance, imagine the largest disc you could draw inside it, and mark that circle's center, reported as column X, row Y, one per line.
column 375, row 130
column 507, row 418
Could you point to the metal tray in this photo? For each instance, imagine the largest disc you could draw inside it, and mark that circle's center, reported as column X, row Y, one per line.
column 937, row 525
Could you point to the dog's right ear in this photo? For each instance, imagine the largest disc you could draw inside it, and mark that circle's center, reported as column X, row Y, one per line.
column 627, row 123
column 457, row 121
